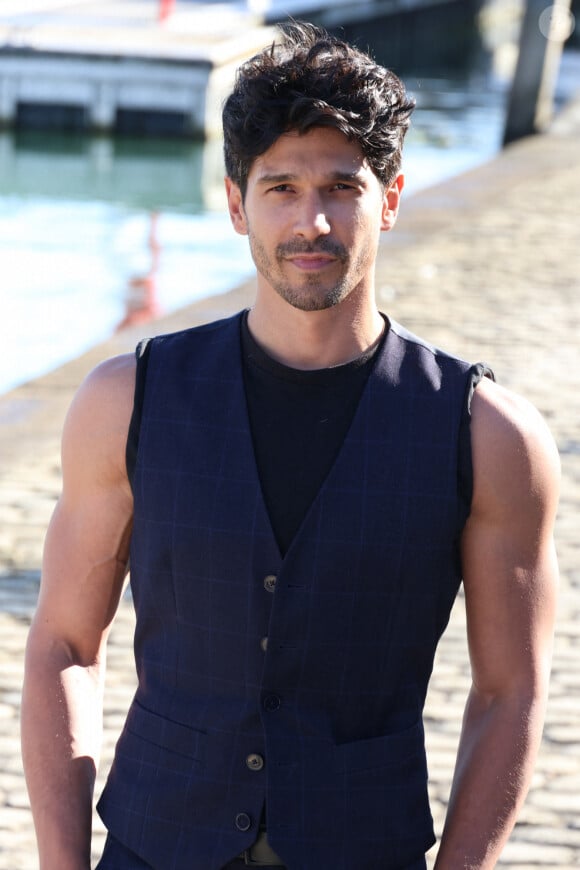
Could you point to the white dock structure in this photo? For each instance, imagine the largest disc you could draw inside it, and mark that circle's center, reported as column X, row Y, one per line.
column 106, row 65
column 93, row 64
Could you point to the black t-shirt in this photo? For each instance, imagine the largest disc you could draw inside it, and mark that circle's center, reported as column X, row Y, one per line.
column 299, row 420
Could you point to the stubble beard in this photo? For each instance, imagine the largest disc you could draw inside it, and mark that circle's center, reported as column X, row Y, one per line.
column 313, row 294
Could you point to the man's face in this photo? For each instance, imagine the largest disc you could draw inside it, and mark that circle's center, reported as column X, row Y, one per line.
column 313, row 212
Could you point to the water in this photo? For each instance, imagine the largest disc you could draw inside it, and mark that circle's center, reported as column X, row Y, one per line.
column 96, row 233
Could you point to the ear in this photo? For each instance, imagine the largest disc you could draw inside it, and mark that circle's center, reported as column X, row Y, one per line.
column 391, row 201
column 236, row 207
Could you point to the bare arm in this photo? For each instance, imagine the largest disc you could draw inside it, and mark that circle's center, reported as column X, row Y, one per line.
column 84, row 566
column 510, row 579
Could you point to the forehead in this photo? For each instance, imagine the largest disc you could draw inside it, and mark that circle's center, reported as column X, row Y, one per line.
column 320, row 151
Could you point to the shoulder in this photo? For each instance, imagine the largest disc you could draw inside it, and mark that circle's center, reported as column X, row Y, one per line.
column 211, row 330
column 97, row 424
column 516, row 465
column 409, row 354
column 189, row 346
column 116, row 374
column 105, row 397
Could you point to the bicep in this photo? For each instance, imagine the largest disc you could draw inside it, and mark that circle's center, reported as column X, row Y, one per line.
column 509, row 564
column 84, row 567
column 86, row 548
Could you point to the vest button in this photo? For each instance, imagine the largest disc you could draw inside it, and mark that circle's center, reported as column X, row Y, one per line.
column 271, row 703
column 254, row 762
column 270, row 582
column 243, row 822
column 264, row 644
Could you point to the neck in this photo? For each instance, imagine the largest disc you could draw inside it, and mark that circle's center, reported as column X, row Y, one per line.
column 315, row 339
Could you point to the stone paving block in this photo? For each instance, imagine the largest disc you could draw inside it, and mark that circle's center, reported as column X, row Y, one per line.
column 523, row 854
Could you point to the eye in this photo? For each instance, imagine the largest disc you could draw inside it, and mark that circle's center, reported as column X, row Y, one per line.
column 280, row 188
column 343, row 185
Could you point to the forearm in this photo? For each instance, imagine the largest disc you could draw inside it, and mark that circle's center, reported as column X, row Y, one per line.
column 61, row 716
column 498, row 746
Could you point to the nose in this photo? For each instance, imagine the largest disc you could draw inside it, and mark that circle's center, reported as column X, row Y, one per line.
column 312, row 219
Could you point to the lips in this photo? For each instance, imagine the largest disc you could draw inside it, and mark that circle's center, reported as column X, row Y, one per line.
column 311, row 262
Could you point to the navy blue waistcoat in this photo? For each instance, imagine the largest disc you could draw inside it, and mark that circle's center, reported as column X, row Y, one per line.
column 324, row 723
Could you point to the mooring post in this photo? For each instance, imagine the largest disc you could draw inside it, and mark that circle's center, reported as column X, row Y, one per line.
column 545, row 28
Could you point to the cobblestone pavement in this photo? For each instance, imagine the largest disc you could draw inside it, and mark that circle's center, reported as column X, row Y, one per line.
column 487, row 266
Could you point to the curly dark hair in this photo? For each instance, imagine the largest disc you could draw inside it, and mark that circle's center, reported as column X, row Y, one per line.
column 311, row 79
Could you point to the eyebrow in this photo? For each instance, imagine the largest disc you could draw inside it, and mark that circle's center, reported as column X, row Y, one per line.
column 337, row 175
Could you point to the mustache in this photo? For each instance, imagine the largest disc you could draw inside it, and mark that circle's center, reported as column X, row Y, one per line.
column 321, row 246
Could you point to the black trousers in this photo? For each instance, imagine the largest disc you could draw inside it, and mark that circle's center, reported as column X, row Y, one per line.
column 241, row 865
column 238, row 865
column 116, row 857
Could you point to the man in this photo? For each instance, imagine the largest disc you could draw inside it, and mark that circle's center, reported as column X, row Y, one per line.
column 301, row 488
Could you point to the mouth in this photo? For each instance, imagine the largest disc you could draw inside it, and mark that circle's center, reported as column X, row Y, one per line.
column 311, row 262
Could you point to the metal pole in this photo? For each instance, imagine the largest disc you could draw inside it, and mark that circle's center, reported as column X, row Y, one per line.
column 545, row 28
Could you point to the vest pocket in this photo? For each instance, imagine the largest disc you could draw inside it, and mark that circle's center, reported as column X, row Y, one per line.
column 165, row 733
column 384, row 751
column 385, row 800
